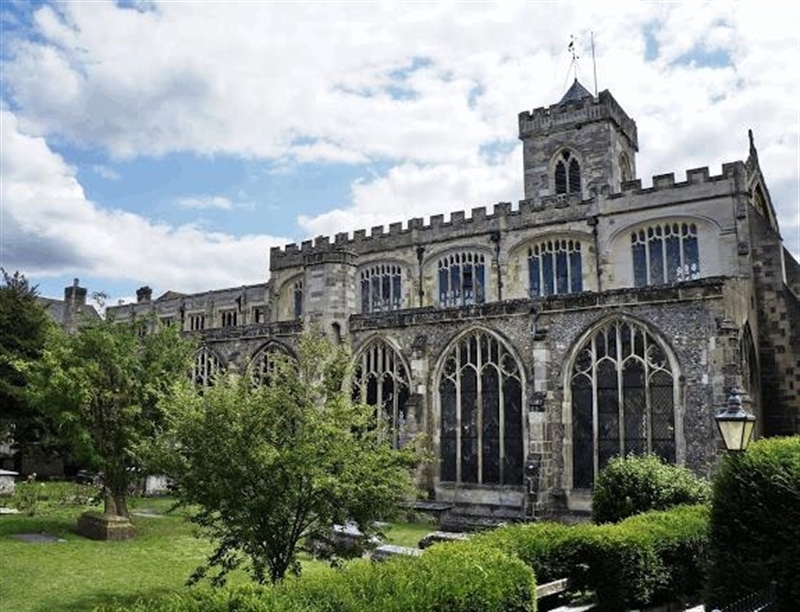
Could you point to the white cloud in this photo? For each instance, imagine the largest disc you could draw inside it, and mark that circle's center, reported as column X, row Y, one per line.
column 422, row 86
column 205, row 202
column 51, row 228
column 105, row 172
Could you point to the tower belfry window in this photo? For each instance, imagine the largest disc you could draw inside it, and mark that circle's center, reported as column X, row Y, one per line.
column 567, row 174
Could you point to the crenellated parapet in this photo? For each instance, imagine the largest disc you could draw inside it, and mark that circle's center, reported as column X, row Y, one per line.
column 439, row 227
column 666, row 182
column 542, row 120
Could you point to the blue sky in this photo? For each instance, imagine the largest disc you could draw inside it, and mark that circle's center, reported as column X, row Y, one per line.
column 173, row 143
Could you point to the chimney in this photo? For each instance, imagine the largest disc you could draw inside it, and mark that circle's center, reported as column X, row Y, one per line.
column 143, row 294
column 75, row 296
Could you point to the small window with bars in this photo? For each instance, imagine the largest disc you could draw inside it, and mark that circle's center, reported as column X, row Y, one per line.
column 197, row 321
column 229, row 318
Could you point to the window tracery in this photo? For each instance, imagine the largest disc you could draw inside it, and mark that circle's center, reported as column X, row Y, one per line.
column 665, row 253
column 480, row 395
column 381, row 288
column 567, row 173
column 623, row 399
column 380, row 379
column 462, row 279
column 206, row 366
column 555, row 267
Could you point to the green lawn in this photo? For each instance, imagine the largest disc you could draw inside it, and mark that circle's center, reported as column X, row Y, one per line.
column 79, row 574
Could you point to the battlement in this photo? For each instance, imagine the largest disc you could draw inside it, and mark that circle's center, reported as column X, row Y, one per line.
column 586, row 110
column 416, row 231
column 665, row 182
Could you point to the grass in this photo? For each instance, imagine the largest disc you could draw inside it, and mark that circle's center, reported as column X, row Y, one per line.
column 80, row 574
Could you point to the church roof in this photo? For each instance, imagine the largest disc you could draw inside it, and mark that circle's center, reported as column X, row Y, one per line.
column 576, row 92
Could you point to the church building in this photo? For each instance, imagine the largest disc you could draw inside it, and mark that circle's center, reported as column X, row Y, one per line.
column 531, row 343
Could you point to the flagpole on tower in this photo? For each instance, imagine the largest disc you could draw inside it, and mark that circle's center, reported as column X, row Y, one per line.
column 594, row 66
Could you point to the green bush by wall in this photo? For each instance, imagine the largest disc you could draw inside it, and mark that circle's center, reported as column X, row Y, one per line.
column 639, row 483
column 755, row 523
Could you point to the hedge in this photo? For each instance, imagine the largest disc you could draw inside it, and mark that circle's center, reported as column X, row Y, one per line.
column 647, row 559
column 452, row 577
column 755, row 523
column 641, row 483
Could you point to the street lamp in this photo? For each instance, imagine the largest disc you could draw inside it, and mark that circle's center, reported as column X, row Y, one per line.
column 735, row 424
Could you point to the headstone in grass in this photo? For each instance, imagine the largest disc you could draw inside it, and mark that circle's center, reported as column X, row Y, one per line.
column 99, row 526
column 37, row 538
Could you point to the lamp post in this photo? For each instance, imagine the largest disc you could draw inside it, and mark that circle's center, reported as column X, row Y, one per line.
column 735, row 424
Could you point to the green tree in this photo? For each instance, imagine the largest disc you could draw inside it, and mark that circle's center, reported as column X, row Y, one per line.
column 269, row 466
column 23, row 329
column 102, row 387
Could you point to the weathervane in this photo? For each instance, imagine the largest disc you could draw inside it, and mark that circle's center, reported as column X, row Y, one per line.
column 575, row 56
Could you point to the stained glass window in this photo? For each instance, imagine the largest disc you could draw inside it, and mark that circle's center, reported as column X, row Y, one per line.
column 665, row 253
column 462, row 279
column 480, row 395
column 555, row 267
column 381, row 288
column 380, row 379
column 623, row 399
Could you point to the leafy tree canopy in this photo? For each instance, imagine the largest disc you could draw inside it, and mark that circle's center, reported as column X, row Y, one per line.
column 23, row 329
column 102, row 387
column 269, row 466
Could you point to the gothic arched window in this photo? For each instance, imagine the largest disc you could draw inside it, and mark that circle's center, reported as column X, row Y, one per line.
column 623, row 399
column 381, row 288
column 665, row 253
column 206, row 366
column 480, row 395
column 462, row 279
column 264, row 364
column 380, row 379
column 567, row 173
column 554, row 266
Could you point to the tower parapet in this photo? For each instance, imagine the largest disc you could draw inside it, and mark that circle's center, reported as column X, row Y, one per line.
column 575, row 113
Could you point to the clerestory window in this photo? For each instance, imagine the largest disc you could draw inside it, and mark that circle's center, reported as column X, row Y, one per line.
column 567, row 173
column 555, row 267
column 480, row 395
column 462, row 279
column 665, row 253
column 381, row 288
column 623, row 399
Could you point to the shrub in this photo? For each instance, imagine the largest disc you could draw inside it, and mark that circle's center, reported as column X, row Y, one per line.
column 650, row 558
column 461, row 577
column 457, row 577
column 552, row 550
column 647, row 559
column 755, row 523
column 634, row 484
